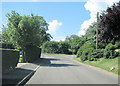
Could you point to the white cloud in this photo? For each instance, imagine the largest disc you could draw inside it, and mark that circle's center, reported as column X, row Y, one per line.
column 94, row 6
column 58, row 38
column 54, row 26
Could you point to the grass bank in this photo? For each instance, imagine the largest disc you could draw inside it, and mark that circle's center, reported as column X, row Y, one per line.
column 105, row 64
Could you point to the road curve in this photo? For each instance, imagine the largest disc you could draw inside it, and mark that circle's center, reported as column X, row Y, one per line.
column 62, row 69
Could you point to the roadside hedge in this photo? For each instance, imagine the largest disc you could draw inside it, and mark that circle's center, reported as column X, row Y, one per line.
column 56, row 47
column 9, row 58
column 32, row 53
column 88, row 52
column 109, row 51
column 6, row 46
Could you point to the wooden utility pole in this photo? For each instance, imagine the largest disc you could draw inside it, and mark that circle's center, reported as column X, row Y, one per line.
column 97, row 31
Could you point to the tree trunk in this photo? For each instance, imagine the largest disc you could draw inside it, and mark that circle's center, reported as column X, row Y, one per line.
column 23, row 53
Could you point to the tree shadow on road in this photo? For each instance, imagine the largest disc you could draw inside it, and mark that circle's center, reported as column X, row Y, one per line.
column 13, row 77
column 47, row 62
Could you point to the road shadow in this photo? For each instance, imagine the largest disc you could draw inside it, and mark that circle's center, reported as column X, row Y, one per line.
column 47, row 62
column 13, row 77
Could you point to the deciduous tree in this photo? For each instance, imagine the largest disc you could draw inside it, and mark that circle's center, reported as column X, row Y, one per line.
column 27, row 30
column 110, row 24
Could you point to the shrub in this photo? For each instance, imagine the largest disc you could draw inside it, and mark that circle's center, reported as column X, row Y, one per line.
column 85, row 50
column 110, row 54
column 110, row 46
column 117, row 44
column 101, row 45
column 109, row 51
column 95, row 54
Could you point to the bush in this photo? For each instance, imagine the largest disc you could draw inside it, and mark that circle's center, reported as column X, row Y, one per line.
column 88, row 52
column 117, row 44
column 110, row 46
column 101, row 45
column 109, row 51
column 95, row 54
column 110, row 54
column 85, row 50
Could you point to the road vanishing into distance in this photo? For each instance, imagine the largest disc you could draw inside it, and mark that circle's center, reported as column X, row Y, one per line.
column 62, row 69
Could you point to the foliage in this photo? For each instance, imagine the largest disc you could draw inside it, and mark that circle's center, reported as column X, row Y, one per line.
column 95, row 54
column 25, row 30
column 20, row 59
column 88, row 52
column 63, row 47
column 55, row 47
column 109, row 24
column 75, row 42
column 91, row 32
column 109, row 51
column 85, row 50
column 50, row 47
column 109, row 31
column 117, row 44
column 101, row 45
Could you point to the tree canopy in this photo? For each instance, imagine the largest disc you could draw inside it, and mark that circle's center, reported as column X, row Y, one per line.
column 26, row 30
column 75, row 42
column 23, row 31
column 110, row 23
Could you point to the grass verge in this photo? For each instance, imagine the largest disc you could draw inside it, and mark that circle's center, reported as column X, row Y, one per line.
column 105, row 64
column 20, row 59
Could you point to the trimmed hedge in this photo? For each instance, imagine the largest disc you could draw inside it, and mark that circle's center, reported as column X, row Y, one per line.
column 6, row 46
column 9, row 58
column 32, row 53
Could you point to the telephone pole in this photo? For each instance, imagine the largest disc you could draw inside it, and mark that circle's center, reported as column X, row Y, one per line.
column 97, row 30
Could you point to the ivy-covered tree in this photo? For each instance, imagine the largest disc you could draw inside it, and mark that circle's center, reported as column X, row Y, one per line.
column 110, row 24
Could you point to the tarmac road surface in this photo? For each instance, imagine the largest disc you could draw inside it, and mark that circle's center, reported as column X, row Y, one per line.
column 62, row 69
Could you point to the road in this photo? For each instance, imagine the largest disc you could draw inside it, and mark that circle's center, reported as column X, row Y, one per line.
column 62, row 69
